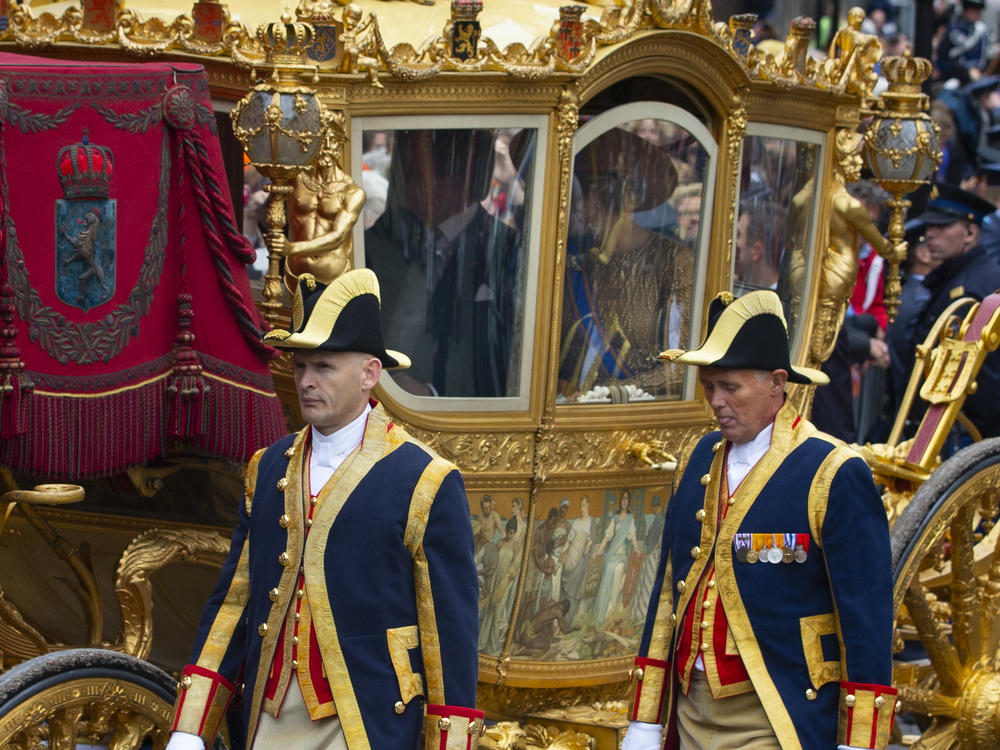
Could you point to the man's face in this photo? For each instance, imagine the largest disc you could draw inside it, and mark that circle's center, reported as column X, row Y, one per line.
column 946, row 241
column 487, row 506
column 744, row 401
column 333, row 387
column 689, row 215
column 744, row 255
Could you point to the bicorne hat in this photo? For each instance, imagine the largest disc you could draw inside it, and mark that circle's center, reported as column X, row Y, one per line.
column 342, row 316
column 746, row 333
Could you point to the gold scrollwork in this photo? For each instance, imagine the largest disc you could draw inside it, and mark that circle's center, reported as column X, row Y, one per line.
column 114, row 713
column 849, row 70
column 147, row 553
column 591, row 450
column 480, row 451
column 505, row 701
column 510, row 735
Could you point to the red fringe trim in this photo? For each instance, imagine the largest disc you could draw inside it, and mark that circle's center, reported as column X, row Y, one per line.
column 87, row 438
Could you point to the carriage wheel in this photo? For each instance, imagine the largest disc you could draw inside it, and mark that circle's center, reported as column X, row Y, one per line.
column 946, row 591
column 90, row 696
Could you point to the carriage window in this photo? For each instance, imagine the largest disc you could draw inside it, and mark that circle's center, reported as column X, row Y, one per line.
column 775, row 220
column 642, row 187
column 450, row 228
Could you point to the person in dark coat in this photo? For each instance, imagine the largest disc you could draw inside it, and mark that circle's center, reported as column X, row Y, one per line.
column 346, row 608
column 913, row 298
column 953, row 220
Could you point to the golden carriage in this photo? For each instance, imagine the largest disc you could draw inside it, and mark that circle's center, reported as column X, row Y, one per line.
column 553, row 194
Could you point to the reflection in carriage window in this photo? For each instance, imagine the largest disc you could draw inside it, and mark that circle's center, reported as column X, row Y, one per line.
column 635, row 224
column 777, row 196
column 445, row 228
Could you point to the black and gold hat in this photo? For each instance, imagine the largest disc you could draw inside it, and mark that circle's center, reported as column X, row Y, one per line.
column 342, row 316
column 746, row 333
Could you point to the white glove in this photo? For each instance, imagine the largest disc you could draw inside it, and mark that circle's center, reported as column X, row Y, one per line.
column 638, row 736
column 185, row 741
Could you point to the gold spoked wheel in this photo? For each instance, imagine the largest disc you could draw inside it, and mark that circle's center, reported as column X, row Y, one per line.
column 87, row 697
column 946, row 569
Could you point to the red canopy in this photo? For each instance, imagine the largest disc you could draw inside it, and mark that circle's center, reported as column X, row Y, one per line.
column 126, row 325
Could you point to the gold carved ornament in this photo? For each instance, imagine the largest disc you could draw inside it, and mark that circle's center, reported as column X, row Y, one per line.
column 118, row 713
column 947, row 597
column 146, row 554
column 539, row 59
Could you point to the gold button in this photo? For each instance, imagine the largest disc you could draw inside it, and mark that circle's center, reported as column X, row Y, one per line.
column 706, row 479
column 185, row 682
column 290, row 452
column 282, row 483
column 898, row 706
column 879, row 701
column 473, row 727
column 399, row 707
column 444, row 723
column 704, row 623
column 849, row 699
column 695, row 551
column 296, row 617
column 309, row 523
column 732, row 500
column 704, row 647
column 262, row 629
column 273, row 595
column 295, row 663
column 681, row 586
column 295, row 640
column 673, row 618
column 715, row 448
column 313, row 500
column 300, row 593
column 283, row 521
column 810, row 694
column 707, row 605
column 700, row 515
column 639, row 674
column 283, row 558
column 711, row 583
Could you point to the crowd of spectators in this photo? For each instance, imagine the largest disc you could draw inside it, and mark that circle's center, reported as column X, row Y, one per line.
column 953, row 230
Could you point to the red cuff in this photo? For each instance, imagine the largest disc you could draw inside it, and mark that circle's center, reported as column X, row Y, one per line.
column 202, row 699
column 452, row 727
column 866, row 715
column 649, row 681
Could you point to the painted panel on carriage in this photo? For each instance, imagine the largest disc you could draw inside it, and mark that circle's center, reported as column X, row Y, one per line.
column 500, row 526
column 592, row 562
column 592, row 559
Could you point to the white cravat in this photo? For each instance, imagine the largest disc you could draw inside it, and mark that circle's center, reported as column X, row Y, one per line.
column 329, row 451
column 744, row 456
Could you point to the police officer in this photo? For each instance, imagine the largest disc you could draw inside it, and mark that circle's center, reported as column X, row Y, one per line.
column 953, row 220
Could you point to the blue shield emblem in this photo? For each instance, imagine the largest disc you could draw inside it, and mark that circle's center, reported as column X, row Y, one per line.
column 85, row 252
column 324, row 46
